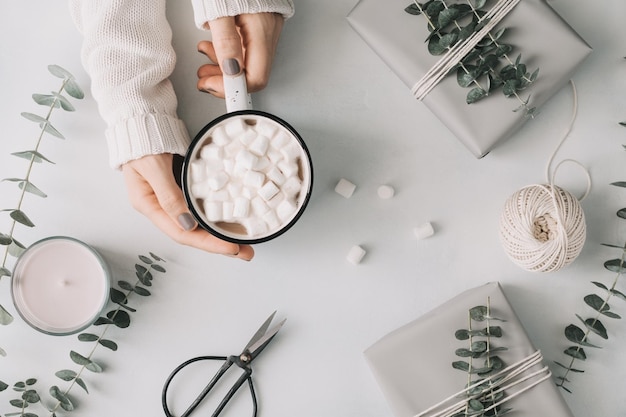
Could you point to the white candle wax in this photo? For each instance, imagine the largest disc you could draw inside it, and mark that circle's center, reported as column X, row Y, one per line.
column 60, row 285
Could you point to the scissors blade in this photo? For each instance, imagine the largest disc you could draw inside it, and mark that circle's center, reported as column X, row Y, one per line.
column 259, row 333
column 260, row 344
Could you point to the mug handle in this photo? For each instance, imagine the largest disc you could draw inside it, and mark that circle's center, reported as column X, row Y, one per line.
column 236, row 91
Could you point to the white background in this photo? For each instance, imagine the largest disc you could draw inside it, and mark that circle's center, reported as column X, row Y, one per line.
column 360, row 123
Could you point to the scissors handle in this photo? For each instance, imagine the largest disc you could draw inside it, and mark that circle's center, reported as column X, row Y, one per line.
column 229, row 361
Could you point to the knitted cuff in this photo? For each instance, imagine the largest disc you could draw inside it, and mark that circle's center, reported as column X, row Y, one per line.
column 148, row 134
column 207, row 10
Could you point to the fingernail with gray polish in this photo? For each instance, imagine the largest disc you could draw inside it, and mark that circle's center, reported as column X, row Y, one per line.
column 231, row 66
column 186, row 221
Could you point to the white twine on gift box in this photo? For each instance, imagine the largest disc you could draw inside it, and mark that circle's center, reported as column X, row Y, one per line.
column 542, row 226
column 506, row 379
column 457, row 52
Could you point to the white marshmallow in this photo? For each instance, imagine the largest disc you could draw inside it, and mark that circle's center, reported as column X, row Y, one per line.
column 218, row 180
column 219, row 136
column 268, row 191
column 385, row 192
column 213, row 166
column 235, row 127
column 232, row 149
column 285, row 209
column 271, row 219
column 212, row 151
column 424, row 230
column 355, row 255
column 200, row 190
column 234, row 189
column 276, row 176
column 219, row 195
column 249, row 193
column 276, row 200
column 262, row 164
column 246, row 159
column 247, row 137
column 280, row 140
column 345, row 188
column 228, row 208
column 197, row 170
column 288, row 168
column 259, row 206
column 274, row 155
column 291, row 151
column 241, row 208
column 213, row 210
column 229, row 166
column 266, row 128
column 292, row 186
column 259, row 145
column 253, row 179
column 255, row 226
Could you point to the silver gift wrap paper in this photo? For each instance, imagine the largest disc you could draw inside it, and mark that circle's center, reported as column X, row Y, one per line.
column 413, row 364
column 535, row 31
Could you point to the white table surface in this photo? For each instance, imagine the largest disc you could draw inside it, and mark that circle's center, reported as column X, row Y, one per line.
column 362, row 124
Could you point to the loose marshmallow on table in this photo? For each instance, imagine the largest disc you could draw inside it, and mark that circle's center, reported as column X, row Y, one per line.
column 249, row 173
column 355, row 255
column 386, row 192
column 345, row 188
column 424, row 230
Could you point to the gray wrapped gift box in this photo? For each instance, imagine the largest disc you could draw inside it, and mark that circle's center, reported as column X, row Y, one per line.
column 412, row 365
column 535, row 30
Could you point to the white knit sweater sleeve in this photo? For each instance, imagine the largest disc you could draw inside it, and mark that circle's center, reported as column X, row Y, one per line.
column 207, row 10
column 128, row 55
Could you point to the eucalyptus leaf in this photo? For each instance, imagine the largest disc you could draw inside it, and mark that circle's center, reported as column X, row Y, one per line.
column 619, row 184
column 413, row 9
column 141, row 291
column 33, row 155
column 448, row 16
column 120, row 318
column 117, row 296
column 156, row 257
column 461, row 365
column 108, row 344
column 88, row 337
column 20, row 217
column 475, row 94
column 596, row 302
column 595, row 326
column 16, row 248
column 62, row 398
column 59, row 72
column 5, row 317
column 3, row 386
column 145, row 259
column 47, row 127
column 19, row 386
column 621, row 213
column 575, row 334
column 93, row 367
column 66, row 374
column 4, row 272
column 125, row 285
column 31, row 188
column 618, row 294
column 79, row 359
column 47, row 100
column 74, row 90
column 569, row 368
column 34, row 118
column 31, row 396
column 82, row 384
column 158, row 268
column 5, row 239
column 576, row 353
column 599, row 285
column 476, row 405
column 615, row 265
column 18, row 403
column 102, row 321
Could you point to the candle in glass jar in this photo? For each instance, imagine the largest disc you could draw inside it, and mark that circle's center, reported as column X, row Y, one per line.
column 60, row 285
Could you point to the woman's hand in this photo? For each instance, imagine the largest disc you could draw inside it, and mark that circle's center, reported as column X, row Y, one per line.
column 153, row 192
column 242, row 43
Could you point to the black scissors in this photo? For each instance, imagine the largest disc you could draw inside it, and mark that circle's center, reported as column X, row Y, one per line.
column 259, row 341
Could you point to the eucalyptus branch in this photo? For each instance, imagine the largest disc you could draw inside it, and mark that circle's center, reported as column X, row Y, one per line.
column 602, row 309
column 450, row 24
column 118, row 317
column 482, row 395
column 55, row 100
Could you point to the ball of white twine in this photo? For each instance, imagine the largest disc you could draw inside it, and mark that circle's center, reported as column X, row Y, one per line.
column 542, row 228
